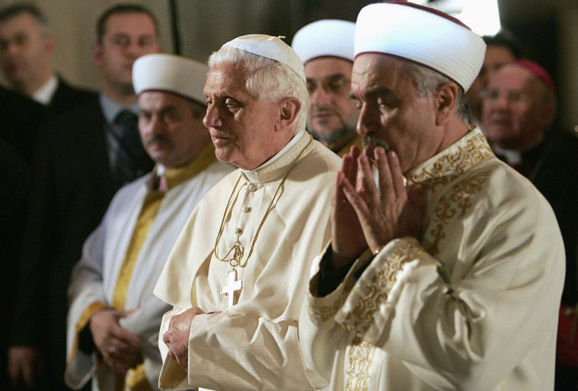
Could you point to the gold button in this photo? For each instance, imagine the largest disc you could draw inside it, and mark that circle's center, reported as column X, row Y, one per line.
column 238, row 231
column 251, row 187
column 247, row 209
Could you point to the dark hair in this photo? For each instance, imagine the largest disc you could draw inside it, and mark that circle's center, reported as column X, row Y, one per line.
column 122, row 9
column 12, row 11
column 505, row 39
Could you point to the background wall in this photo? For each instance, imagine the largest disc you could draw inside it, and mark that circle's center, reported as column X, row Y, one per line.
column 546, row 28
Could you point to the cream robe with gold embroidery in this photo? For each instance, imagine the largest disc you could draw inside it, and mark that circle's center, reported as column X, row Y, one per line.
column 95, row 277
column 252, row 345
column 472, row 306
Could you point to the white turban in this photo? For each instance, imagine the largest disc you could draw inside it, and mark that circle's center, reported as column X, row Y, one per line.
column 269, row 47
column 327, row 37
column 166, row 72
column 422, row 35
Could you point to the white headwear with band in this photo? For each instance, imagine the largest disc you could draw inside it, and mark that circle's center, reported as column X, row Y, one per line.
column 167, row 72
column 422, row 35
column 269, row 47
column 327, row 37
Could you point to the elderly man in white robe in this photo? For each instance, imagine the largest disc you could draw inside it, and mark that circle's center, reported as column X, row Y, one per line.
column 114, row 317
column 326, row 49
column 236, row 278
column 447, row 273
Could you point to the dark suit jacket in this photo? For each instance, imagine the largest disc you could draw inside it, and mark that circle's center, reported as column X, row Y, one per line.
column 67, row 97
column 71, row 188
column 551, row 166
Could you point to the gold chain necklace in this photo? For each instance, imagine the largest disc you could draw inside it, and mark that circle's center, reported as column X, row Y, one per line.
column 237, row 250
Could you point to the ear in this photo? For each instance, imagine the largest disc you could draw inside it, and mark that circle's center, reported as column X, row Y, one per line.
column 288, row 110
column 97, row 54
column 445, row 101
column 50, row 43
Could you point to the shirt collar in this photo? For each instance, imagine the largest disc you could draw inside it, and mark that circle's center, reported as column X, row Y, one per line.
column 275, row 167
column 44, row 93
column 111, row 109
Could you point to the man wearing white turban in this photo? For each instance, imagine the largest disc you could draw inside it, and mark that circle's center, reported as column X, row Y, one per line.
column 445, row 271
column 114, row 317
column 326, row 49
column 236, row 277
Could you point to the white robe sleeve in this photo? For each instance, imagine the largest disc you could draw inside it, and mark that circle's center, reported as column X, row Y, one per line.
column 453, row 329
column 86, row 295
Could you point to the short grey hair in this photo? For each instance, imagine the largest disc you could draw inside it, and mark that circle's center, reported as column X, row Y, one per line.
column 427, row 81
column 267, row 78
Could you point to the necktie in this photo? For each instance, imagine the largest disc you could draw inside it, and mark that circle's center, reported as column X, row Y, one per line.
column 131, row 159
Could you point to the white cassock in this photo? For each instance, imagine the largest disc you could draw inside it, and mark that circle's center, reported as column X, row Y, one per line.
column 102, row 271
column 473, row 306
column 253, row 344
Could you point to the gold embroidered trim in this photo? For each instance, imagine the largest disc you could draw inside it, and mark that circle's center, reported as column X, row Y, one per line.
column 382, row 280
column 82, row 321
column 465, row 154
column 359, row 358
column 454, row 204
column 322, row 313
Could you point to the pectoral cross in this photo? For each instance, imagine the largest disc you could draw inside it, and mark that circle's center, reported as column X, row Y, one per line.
column 233, row 285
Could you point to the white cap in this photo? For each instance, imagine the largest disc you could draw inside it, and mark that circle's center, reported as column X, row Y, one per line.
column 166, row 72
column 327, row 37
column 269, row 47
column 422, row 35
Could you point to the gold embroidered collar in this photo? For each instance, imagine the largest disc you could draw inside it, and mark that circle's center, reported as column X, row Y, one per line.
column 464, row 154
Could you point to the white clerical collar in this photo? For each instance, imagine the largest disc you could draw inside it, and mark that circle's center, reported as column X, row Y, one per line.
column 275, row 166
column 44, row 94
column 512, row 156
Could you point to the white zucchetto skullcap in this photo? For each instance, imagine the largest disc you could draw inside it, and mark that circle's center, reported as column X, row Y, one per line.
column 422, row 35
column 167, row 72
column 269, row 47
column 325, row 38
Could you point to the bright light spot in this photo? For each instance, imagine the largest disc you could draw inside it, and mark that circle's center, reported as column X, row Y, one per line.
column 482, row 16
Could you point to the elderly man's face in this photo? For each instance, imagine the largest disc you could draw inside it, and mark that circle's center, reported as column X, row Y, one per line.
column 392, row 112
column 242, row 127
column 332, row 114
column 515, row 111
column 171, row 132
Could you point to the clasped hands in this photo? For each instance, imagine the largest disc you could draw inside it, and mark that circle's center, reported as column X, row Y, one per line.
column 177, row 336
column 119, row 348
column 365, row 216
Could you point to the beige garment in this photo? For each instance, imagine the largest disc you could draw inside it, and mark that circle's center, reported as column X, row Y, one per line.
column 252, row 345
column 100, row 276
column 472, row 306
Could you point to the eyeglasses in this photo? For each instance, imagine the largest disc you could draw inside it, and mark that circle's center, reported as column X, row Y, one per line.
column 333, row 84
column 510, row 95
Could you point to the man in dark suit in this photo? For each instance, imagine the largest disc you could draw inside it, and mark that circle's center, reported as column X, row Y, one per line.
column 19, row 121
column 26, row 51
column 82, row 157
column 519, row 108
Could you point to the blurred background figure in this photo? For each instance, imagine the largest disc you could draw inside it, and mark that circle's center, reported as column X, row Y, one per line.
column 326, row 49
column 501, row 49
column 26, row 53
column 518, row 111
column 82, row 158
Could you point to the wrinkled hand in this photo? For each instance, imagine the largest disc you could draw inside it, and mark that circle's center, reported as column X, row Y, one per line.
column 25, row 366
column 347, row 239
column 177, row 336
column 119, row 348
column 390, row 212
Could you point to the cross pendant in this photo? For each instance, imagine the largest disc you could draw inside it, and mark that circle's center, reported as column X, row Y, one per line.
column 233, row 285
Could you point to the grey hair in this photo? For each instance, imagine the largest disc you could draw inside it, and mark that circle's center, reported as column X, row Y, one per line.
column 427, row 81
column 267, row 78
